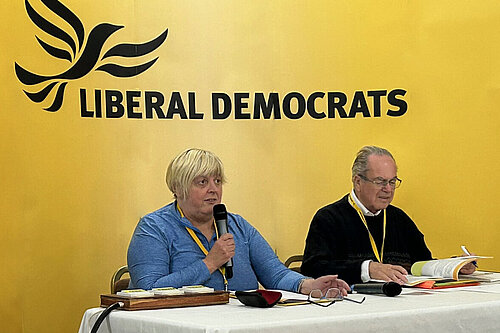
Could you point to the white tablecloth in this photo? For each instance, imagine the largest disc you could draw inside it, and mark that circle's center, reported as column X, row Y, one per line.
column 470, row 309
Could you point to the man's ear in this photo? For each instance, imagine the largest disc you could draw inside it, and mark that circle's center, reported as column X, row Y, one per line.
column 356, row 182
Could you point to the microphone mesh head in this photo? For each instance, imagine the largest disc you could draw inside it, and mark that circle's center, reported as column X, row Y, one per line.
column 220, row 211
column 392, row 289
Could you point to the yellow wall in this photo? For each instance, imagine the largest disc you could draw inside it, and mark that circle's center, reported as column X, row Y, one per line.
column 73, row 188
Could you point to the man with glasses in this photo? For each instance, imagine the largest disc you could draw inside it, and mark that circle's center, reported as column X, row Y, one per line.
column 362, row 236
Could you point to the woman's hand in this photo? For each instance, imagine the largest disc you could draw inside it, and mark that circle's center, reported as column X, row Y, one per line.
column 220, row 253
column 324, row 283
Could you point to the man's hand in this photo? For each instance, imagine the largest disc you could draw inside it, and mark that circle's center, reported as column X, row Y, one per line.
column 468, row 269
column 324, row 283
column 387, row 272
column 220, row 253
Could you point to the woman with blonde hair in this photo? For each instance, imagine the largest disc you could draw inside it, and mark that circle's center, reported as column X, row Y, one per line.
column 178, row 245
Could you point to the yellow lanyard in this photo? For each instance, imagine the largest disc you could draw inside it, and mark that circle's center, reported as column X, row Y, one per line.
column 222, row 270
column 380, row 256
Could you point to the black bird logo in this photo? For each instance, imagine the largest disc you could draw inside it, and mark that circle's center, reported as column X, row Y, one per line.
column 82, row 62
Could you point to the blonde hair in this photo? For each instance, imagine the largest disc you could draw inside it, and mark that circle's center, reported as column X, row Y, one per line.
column 188, row 165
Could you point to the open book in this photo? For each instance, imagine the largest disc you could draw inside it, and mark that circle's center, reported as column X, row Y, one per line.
column 441, row 273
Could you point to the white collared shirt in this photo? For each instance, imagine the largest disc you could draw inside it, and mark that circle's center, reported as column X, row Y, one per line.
column 365, row 211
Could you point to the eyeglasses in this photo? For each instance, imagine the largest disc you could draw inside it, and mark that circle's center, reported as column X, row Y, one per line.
column 393, row 183
column 330, row 297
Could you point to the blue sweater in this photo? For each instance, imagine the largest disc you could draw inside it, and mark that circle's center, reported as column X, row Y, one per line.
column 163, row 254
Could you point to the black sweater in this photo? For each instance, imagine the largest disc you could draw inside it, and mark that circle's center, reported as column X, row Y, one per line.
column 338, row 242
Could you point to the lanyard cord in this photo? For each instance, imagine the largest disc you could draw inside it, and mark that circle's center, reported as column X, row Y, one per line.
column 380, row 256
column 197, row 240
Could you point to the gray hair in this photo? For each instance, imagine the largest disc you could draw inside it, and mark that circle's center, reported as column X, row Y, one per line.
column 188, row 165
column 360, row 165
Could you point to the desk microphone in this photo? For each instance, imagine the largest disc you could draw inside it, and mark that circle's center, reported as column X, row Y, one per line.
column 220, row 216
column 387, row 288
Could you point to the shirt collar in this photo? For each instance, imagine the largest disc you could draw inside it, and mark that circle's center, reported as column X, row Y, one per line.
column 365, row 211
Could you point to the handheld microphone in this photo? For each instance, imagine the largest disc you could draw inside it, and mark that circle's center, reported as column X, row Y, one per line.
column 220, row 216
column 387, row 288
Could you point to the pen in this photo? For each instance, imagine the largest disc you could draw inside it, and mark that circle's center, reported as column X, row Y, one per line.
column 464, row 249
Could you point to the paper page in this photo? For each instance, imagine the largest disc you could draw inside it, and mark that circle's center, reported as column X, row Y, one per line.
column 414, row 280
column 482, row 276
column 446, row 268
column 292, row 295
column 289, row 298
